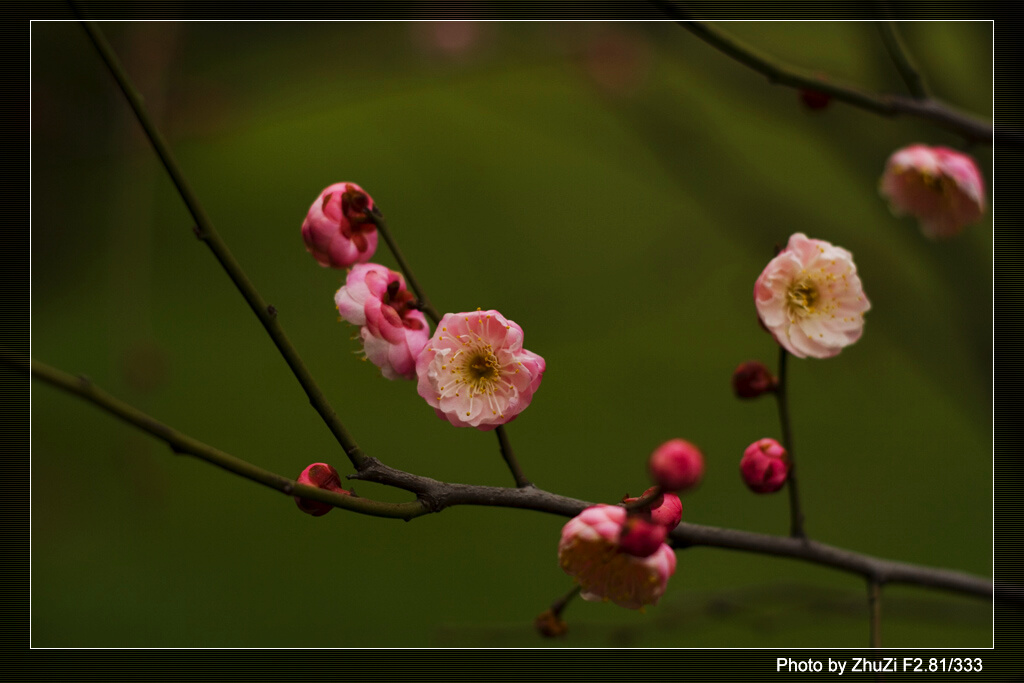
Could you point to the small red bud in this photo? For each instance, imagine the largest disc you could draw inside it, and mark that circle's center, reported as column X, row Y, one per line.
column 640, row 537
column 765, row 466
column 666, row 509
column 751, row 379
column 322, row 476
column 815, row 99
column 676, row 465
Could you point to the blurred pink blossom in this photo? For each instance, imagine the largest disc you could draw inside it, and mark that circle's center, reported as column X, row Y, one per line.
column 393, row 331
column 676, row 465
column 764, row 466
column 337, row 230
column 941, row 187
column 475, row 372
column 810, row 298
column 589, row 552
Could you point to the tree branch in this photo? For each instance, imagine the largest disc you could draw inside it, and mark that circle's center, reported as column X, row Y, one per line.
column 205, row 231
column 184, row 444
column 901, row 58
column 435, row 496
column 875, row 606
column 424, row 303
column 971, row 128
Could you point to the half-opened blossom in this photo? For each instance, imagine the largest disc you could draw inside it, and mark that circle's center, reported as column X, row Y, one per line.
column 338, row 231
column 810, row 298
column 941, row 187
column 475, row 372
column 589, row 552
column 393, row 331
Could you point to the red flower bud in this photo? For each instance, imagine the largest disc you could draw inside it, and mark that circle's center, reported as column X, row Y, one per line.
column 322, row 476
column 765, row 466
column 676, row 465
column 815, row 99
column 751, row 379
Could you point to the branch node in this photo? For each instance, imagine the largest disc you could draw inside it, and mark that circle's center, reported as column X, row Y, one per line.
column 271, row 311
column 288, row 488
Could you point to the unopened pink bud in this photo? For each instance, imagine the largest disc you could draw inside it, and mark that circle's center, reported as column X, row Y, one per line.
column 666, row 509
column 641, row 538
column 676, row 465
column 751, row 379
column 765, row 466
column 322, row 476
column 338, row 231
column 941, row 187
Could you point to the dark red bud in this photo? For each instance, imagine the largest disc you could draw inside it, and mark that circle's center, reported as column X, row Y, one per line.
column 751, row 379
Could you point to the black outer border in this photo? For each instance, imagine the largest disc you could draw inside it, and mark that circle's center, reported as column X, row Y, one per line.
column 1003, row 663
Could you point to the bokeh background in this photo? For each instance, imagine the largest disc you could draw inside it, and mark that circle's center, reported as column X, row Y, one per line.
column 615, row 188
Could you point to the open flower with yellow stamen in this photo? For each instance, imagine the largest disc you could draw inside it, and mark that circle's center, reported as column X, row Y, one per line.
column 475, row 372
column 590, row 552
column 810, row 298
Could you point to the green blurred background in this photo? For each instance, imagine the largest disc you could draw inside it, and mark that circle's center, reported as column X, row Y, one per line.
column 613, row 188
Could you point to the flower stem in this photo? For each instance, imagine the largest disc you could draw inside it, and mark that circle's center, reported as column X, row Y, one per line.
column 559, row 605
column 901, row 58
column 796, row 517
column 510, row 458
column 205, row 231
column 424, row 303
column 875, row 605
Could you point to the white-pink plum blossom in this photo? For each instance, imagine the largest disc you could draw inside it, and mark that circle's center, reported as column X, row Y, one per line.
column 337, row 230
column 475, row 372
column 589, row 551
column 393, row 331
column 941, row 187
column 810, row 298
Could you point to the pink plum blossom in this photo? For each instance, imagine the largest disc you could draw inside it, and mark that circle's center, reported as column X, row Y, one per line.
column 475, row 372
column 765, row 466
column 941, row 187
column 589, row 551
column 810, row 298
column 676, row 465
column 337, row 230
column 393, row 331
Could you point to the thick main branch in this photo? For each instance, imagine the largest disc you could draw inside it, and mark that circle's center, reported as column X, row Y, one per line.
column 434, row 496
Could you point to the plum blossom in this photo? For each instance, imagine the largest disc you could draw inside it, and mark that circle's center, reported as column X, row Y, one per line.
column 475, row 372
column 764, row 466
column 941, row 187
column 810, row 298
column 338, row 231
column 393, row 331
column 589, row 551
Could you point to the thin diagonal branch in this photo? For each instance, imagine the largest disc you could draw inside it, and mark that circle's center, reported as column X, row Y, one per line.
column 424, row 303
column 510, row 458
column 971, row 128
column 204, row 229
column 183, row 444
column 902, row 59
column 434, row 496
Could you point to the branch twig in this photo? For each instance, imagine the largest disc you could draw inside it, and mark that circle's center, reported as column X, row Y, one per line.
column 796, row 515
column 971, row 128
column 205, row 231
column 901, row 58
column 435, row 496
